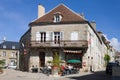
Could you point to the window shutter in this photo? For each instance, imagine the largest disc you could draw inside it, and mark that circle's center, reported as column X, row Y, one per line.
column 61, row 35
column 47, row 36
column 52, row 36
column 74, row 36
column 38, row 36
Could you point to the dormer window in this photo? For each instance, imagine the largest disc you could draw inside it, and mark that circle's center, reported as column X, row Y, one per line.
column 57, row 17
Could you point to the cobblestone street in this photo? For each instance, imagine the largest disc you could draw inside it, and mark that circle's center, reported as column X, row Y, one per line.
column 10, row 74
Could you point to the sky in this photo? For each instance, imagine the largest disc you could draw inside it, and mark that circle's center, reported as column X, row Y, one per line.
column 15, row 15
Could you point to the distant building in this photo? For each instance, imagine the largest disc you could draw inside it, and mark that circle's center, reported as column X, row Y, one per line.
column 8, row 52
column 117, row 56
column 66, row 33
column 106, row 48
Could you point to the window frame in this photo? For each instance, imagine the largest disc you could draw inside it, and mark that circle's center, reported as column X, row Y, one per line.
column 57, row 17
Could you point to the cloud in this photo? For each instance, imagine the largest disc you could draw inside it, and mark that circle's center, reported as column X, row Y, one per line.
column 115, row 43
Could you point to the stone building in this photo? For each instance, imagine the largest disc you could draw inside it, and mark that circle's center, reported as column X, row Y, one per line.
column 9, row 51
column 117, row 56
column 64, row 32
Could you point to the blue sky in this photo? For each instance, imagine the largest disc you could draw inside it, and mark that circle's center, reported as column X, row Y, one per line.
column 15, row 15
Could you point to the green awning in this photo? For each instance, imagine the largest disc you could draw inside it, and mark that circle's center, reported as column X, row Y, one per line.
column 74, row 61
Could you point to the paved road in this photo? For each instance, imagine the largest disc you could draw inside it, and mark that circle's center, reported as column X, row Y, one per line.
column 94, row 76
column 18, row 75
column 11, row 74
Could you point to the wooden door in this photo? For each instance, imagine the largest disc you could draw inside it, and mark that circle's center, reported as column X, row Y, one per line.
column 41, row 59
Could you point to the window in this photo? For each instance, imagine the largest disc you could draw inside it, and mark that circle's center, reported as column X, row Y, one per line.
column 4, row 53
column 56, row 37
column 74, row 36
column 13, row 47
column 4, row 46
column 41, row 36
column 13, row 54
column 57, row 17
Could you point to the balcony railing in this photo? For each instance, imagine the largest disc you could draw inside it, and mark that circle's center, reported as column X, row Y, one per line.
column 65, row 43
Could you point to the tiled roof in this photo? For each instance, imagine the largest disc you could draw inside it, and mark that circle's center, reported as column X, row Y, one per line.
column 68, row 16
column 9, row 44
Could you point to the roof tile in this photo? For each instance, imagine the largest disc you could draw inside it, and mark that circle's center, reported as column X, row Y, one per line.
column 67, row 16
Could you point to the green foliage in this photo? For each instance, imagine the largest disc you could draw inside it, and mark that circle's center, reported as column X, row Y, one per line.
column 49, row 61
column 2, row 62
column 56, row 60
column 106, row 58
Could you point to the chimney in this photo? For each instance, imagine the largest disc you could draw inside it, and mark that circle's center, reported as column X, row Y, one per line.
column 93, row 23
column 100, row 33
column 4, row 38
column 41, row 10
column 82, row 14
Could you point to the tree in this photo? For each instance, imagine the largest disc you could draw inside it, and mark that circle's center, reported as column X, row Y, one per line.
column 107, row 59
column 2, row 62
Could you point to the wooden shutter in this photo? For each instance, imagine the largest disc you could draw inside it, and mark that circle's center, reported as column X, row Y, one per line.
column 38, row 36
column 74, row 36
column 47, row 36
column 61, row 35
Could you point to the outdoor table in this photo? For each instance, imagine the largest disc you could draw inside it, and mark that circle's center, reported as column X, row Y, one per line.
column 34, row 69
column 67, row 71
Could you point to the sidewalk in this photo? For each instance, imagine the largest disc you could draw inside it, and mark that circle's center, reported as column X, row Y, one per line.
column 10, row 74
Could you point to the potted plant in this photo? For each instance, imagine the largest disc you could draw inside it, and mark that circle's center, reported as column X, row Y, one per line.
column 56, row 65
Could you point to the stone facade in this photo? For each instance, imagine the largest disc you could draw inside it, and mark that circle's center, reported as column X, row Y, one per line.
column 9, row 52
column 65, row 29
column 70, row 36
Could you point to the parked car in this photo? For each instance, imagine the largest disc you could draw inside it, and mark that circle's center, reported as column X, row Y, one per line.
column 12, row 67
column 109, row 67
column 5, row 67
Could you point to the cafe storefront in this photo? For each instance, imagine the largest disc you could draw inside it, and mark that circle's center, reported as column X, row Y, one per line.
column 74, row 55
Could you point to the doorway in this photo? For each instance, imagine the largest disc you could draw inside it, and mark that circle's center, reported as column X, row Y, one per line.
column 41, row 59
